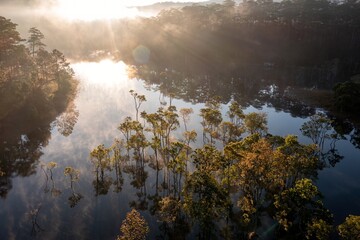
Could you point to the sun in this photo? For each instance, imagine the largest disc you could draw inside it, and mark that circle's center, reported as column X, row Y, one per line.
column 89, row 10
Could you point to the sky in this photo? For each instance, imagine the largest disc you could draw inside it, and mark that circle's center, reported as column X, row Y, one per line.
column 100, row 9
column 122, row 2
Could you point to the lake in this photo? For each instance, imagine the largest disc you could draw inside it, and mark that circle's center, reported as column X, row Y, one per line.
column 38, row 205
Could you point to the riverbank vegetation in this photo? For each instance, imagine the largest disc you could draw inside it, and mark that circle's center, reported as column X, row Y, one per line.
column 36, row 87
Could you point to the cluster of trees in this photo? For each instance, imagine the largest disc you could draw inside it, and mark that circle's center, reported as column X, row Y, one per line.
column 30, row 73
column 36, row 86
column 240, row 175
column 313, row 42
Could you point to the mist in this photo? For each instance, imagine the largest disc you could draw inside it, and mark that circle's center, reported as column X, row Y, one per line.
column 73, row 37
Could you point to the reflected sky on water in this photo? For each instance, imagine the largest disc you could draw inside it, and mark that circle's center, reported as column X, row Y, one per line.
column 38, row 206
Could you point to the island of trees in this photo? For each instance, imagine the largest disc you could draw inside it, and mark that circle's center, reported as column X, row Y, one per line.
column 239, row 178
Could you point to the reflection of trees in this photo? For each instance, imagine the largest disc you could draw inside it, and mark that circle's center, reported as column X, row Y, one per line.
column 102, row 185
column 48, row 168
column 23, row 134
column 321, row 129
column 355, row 138
column 35, row 87
column 33, row 215
column 101, row 160
column 73, row 175
column 20, row 153
column 262, row 89
column 67, row 120
column 138, row 176
column 105, row 160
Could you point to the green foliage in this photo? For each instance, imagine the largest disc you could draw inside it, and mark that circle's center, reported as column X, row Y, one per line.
column 266, row 174
column 185, row 115
column 169, row 209
column 256, row 123
column 350, row 229
column 101, row 156
column 204, row 199
column 138, row 100
column 207, row 159
column 212, row 118
column 235, row 113
column 299, row 208
column 318, row 229
column 134, row 227
column 317, row 128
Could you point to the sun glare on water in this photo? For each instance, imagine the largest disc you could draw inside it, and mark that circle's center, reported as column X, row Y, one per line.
column 103, row 73
column 89, row 10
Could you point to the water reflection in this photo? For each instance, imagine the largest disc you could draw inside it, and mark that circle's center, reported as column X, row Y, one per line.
column 104, row 73
column 262, row 89
column 108, row 186
column 24, row 134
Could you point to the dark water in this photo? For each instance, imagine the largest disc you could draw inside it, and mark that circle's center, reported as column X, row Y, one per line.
column 35, row 206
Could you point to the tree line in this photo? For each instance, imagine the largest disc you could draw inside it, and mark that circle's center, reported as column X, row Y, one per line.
column 313, row 42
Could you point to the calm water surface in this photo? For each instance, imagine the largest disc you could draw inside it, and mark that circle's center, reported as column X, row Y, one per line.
column 37, row 207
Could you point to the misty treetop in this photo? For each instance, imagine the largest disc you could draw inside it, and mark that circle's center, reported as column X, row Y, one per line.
column 29, row 71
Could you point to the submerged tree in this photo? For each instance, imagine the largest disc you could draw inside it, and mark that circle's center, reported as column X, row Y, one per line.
column 138, row 100
column 212, row 118
column 231, row 187
column 205, row 201
column 301, row 213
column 134, row 227
column 256, row 123
column 101, row 160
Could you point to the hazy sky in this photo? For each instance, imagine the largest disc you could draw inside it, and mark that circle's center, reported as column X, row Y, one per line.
column 148, row 2
column 79, row 9
column 122, row 2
